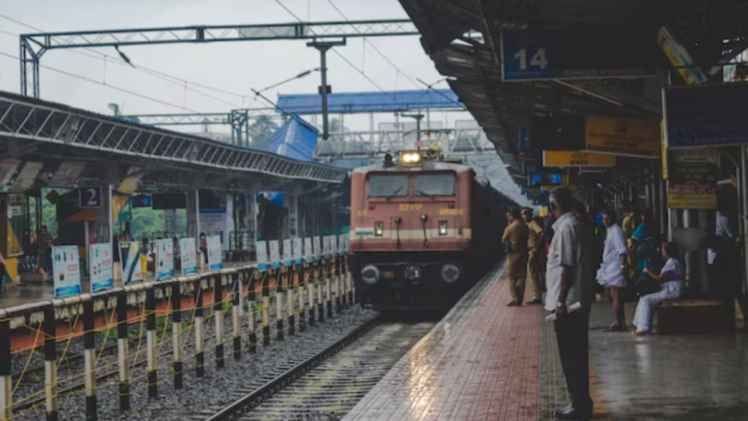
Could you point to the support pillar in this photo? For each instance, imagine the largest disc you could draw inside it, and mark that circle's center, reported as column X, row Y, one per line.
column 151, row 348
column 236, row 316
column 218, row 314
column 50, row 363
column 176, row 329
column 199, row 329
column 252, row 314
column 265, row 309
column 89, row 359
column 122, row 352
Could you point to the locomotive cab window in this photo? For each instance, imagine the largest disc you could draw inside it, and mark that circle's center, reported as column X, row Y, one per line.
column 387, row 185
column 440, row 184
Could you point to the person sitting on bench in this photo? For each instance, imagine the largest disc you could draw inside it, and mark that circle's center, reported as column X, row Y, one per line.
column 671, row 280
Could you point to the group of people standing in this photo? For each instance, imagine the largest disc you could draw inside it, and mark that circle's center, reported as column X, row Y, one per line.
column 561, row 258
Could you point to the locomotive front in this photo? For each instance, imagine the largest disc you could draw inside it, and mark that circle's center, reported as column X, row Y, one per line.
column 411, row 231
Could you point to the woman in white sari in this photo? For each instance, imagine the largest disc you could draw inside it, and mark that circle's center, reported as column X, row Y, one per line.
column 671, row 278
column 612, row 269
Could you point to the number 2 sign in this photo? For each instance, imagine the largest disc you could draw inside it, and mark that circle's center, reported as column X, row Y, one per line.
column 90, row 197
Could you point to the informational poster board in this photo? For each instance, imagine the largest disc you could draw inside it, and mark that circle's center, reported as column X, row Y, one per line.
column 130, row 253
column 342, row 249
column 100, row 267
column 287, row 250
column 318, row 246
column 326, row 245
column 261, row 249
column 215, row 254
column 66, row 271
column 308, row 249
column 274, row 250
column 188, row 256
column 298, row 245
column 164, row 259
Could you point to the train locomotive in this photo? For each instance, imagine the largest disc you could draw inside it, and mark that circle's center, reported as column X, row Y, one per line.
column 422, row 230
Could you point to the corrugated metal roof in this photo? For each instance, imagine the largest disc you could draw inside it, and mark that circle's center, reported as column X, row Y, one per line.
column 295, row 139
column 365, row 102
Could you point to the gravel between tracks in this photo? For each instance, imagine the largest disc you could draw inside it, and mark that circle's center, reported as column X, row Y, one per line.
column 216, row 387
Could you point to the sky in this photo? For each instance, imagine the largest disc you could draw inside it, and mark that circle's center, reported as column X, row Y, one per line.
column 235, row 67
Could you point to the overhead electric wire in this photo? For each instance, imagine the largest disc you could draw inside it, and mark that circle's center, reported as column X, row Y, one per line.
column 98, row 55
column 108, row 85
column 336, row 52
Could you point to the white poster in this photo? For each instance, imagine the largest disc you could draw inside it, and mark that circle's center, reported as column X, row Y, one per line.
column 100, row 267
column 326, row 246
column 274, row 248
column 188, row 256
column 66, row 271
column 287, row 250
column 261, row 249
column 308, row 250
column 215, row 253
column 341, row 244
column 297, row 246
column 130, row 253
column 164, row 259
column 318, row 246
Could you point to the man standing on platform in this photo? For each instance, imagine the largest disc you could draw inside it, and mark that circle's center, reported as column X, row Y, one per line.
column 566, row 285
column 534, row 256
column 515, row 242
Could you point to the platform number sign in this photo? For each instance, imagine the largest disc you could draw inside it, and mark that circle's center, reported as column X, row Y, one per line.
column 90, row 197
column 525, row 56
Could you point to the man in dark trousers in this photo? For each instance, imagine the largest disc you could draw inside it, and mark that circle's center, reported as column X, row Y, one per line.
column 567, row 283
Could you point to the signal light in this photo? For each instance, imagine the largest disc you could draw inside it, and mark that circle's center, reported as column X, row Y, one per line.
column 442, row 228
column 378, row 229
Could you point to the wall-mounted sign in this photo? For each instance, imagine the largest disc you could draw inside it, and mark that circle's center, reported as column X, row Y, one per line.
column 188, row 256
column 625, row 136
column 581, row 52
column 66, row 271
column 100, row 267
column 565, row 159
column 164, row 259
column 693, row 179
column 89, row 197
column 215, row 253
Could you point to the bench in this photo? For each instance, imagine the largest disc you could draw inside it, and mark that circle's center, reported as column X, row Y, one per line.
column 695, row 316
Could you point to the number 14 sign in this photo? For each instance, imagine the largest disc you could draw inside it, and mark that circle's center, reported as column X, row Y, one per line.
column 524, row 56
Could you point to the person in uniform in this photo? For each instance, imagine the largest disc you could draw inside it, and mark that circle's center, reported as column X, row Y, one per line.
column 515, row 242
column 569, row 279
column 613, row 267
column 534, row 256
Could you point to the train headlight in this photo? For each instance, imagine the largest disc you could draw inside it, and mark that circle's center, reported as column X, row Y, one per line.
column 410, row 158
column 370, row 274
column 442, row 228
column 378, row 229
column 450, row 273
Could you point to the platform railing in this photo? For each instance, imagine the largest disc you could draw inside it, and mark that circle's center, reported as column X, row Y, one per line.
column 60, row 347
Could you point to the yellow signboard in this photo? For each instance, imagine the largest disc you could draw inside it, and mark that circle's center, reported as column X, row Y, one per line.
column 692, row 196
column 565, row 159
column 626, row 136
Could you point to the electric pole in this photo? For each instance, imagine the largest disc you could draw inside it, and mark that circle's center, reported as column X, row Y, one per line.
column 324, row 88
column 418, row 117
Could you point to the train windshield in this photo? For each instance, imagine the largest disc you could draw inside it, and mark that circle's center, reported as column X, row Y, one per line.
column 389, row 185
column 435, row 185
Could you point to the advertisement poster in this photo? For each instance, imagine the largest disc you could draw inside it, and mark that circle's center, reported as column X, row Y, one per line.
column 308, row 249
column 261, row 249
column 131, row 258
column 215, row 254
column 188, row 256
column 297, row 246
column 287, row 250
column 693, row 179
column 274, row 249
column 100, row 266
column 164, row 259
column 318, row 246
column 66, row 271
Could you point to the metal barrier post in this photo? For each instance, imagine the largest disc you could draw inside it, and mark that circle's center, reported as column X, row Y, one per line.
column 176, row 329
column 279, row 295
column 6, row 379
column 122, row 351
column 312, row 294
column 236, row 323
column 265, row 309
column 218, row 314
column 150, row 338
column 252, row 314
column 89, row 359
column 50, row 362
column 337, row 288
column 290, row 302
column 302, row 298
column 328, row 288
column 199, row 328
column 320, row 287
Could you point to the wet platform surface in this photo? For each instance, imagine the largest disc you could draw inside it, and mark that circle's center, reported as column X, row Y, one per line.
column 489, row 362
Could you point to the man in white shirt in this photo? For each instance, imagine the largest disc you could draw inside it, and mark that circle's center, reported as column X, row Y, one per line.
column 567, row 271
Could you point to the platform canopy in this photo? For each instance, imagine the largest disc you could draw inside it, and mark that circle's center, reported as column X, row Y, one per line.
column 370, row 102
column 295, row 139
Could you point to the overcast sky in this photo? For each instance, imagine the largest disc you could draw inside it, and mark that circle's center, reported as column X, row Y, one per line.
column 235, row 67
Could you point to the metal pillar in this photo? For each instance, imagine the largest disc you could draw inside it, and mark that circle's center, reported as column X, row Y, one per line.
column 28, row 55
column 418, row 117
column 325, row 89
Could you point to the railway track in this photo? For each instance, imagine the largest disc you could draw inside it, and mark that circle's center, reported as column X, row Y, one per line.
column 328, row 384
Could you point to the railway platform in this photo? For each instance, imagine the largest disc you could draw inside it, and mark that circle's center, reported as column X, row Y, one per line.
column 491, row 362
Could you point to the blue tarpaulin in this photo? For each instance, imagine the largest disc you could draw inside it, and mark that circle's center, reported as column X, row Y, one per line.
column 366, row 102
column 295, row 139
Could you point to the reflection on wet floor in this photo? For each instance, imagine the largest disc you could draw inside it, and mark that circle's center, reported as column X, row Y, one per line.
column 664, row 377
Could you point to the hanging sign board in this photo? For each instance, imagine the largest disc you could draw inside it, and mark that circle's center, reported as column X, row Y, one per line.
column 215, row 254
column 693, row 179
column 566, row 159
column 89, row 197
column 625, row 136
column 188, row 256
column 164, row 259
column 131, row 258
column 100, row 267
column 66, row 271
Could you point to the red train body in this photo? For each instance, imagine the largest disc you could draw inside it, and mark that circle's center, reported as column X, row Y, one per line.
column 422, row 233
